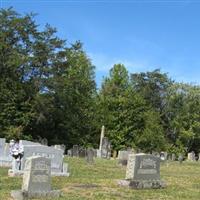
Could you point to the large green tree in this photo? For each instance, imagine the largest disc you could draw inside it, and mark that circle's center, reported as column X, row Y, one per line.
column 129, row 120
column 47, row 87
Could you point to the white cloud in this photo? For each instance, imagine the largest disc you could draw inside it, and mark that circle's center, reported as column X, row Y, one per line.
column 104, row 63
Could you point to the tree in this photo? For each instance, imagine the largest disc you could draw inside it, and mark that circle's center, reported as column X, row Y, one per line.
column 47, row 87
column 125, row 114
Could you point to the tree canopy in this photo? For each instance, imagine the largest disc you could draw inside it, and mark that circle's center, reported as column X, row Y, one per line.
column 48, row 90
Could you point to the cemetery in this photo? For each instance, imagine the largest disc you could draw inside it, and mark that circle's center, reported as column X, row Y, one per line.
column 99, row 119
column 92, row 175
column 100, row 181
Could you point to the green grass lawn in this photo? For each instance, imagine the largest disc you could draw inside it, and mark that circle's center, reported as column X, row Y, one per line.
column 99, row 181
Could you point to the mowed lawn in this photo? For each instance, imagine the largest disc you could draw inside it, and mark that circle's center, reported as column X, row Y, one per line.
column 99, row 181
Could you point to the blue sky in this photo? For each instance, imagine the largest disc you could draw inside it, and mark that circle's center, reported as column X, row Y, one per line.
column 143, row 35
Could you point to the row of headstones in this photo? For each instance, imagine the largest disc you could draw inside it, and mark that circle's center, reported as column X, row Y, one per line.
column 164, row 156
column 78, row 151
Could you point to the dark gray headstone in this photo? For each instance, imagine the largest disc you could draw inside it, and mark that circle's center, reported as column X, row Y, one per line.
column 143, row 167
column 75, row 151
column 90, row 156
column 95, row 152
column 143, row 171
column 106, row 148
column 82, row 152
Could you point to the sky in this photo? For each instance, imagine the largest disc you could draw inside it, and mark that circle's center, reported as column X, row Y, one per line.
column 143, row 35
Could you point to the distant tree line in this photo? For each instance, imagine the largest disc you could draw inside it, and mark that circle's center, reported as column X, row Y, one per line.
column 48, row 90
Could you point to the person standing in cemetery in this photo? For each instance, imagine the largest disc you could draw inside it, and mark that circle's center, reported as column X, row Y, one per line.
column 17, row 152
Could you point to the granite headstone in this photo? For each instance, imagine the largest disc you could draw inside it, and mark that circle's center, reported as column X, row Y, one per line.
column 36, row 180
column 143, row 171
column 90, row 156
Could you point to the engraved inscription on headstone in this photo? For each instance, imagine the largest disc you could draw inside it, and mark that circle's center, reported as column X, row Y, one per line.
column 56, row 156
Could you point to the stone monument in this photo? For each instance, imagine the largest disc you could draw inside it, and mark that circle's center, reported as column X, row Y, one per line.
column 143, row 171
column 106, row 148
column 191, row 156
column 90, row 156
column 123, row 157
column 75, row 151
column 36, row 180
column 33, row 149
column 101, row 137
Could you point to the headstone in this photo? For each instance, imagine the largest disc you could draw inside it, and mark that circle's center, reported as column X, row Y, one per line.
column 55, row 155
column 173, row 156
column 5, row 157
column 114, row 154
column 44, row 141
column 69, row 152
column 2, row 146
column 75, row 151
column 169, row 157
column 36, row 180
column 143, row 171
column 95, row 152
column 82, row 152
column 180, row 158
column 191, row 156
column 106, row 148
column 90, row 156
column 98, row 153
column 123, row 157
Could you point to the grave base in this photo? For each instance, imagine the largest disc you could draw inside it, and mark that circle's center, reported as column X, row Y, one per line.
column 60, row 174
column 142, row 184
column 23, row 195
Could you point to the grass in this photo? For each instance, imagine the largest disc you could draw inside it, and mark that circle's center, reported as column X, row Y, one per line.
column 99, row 181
